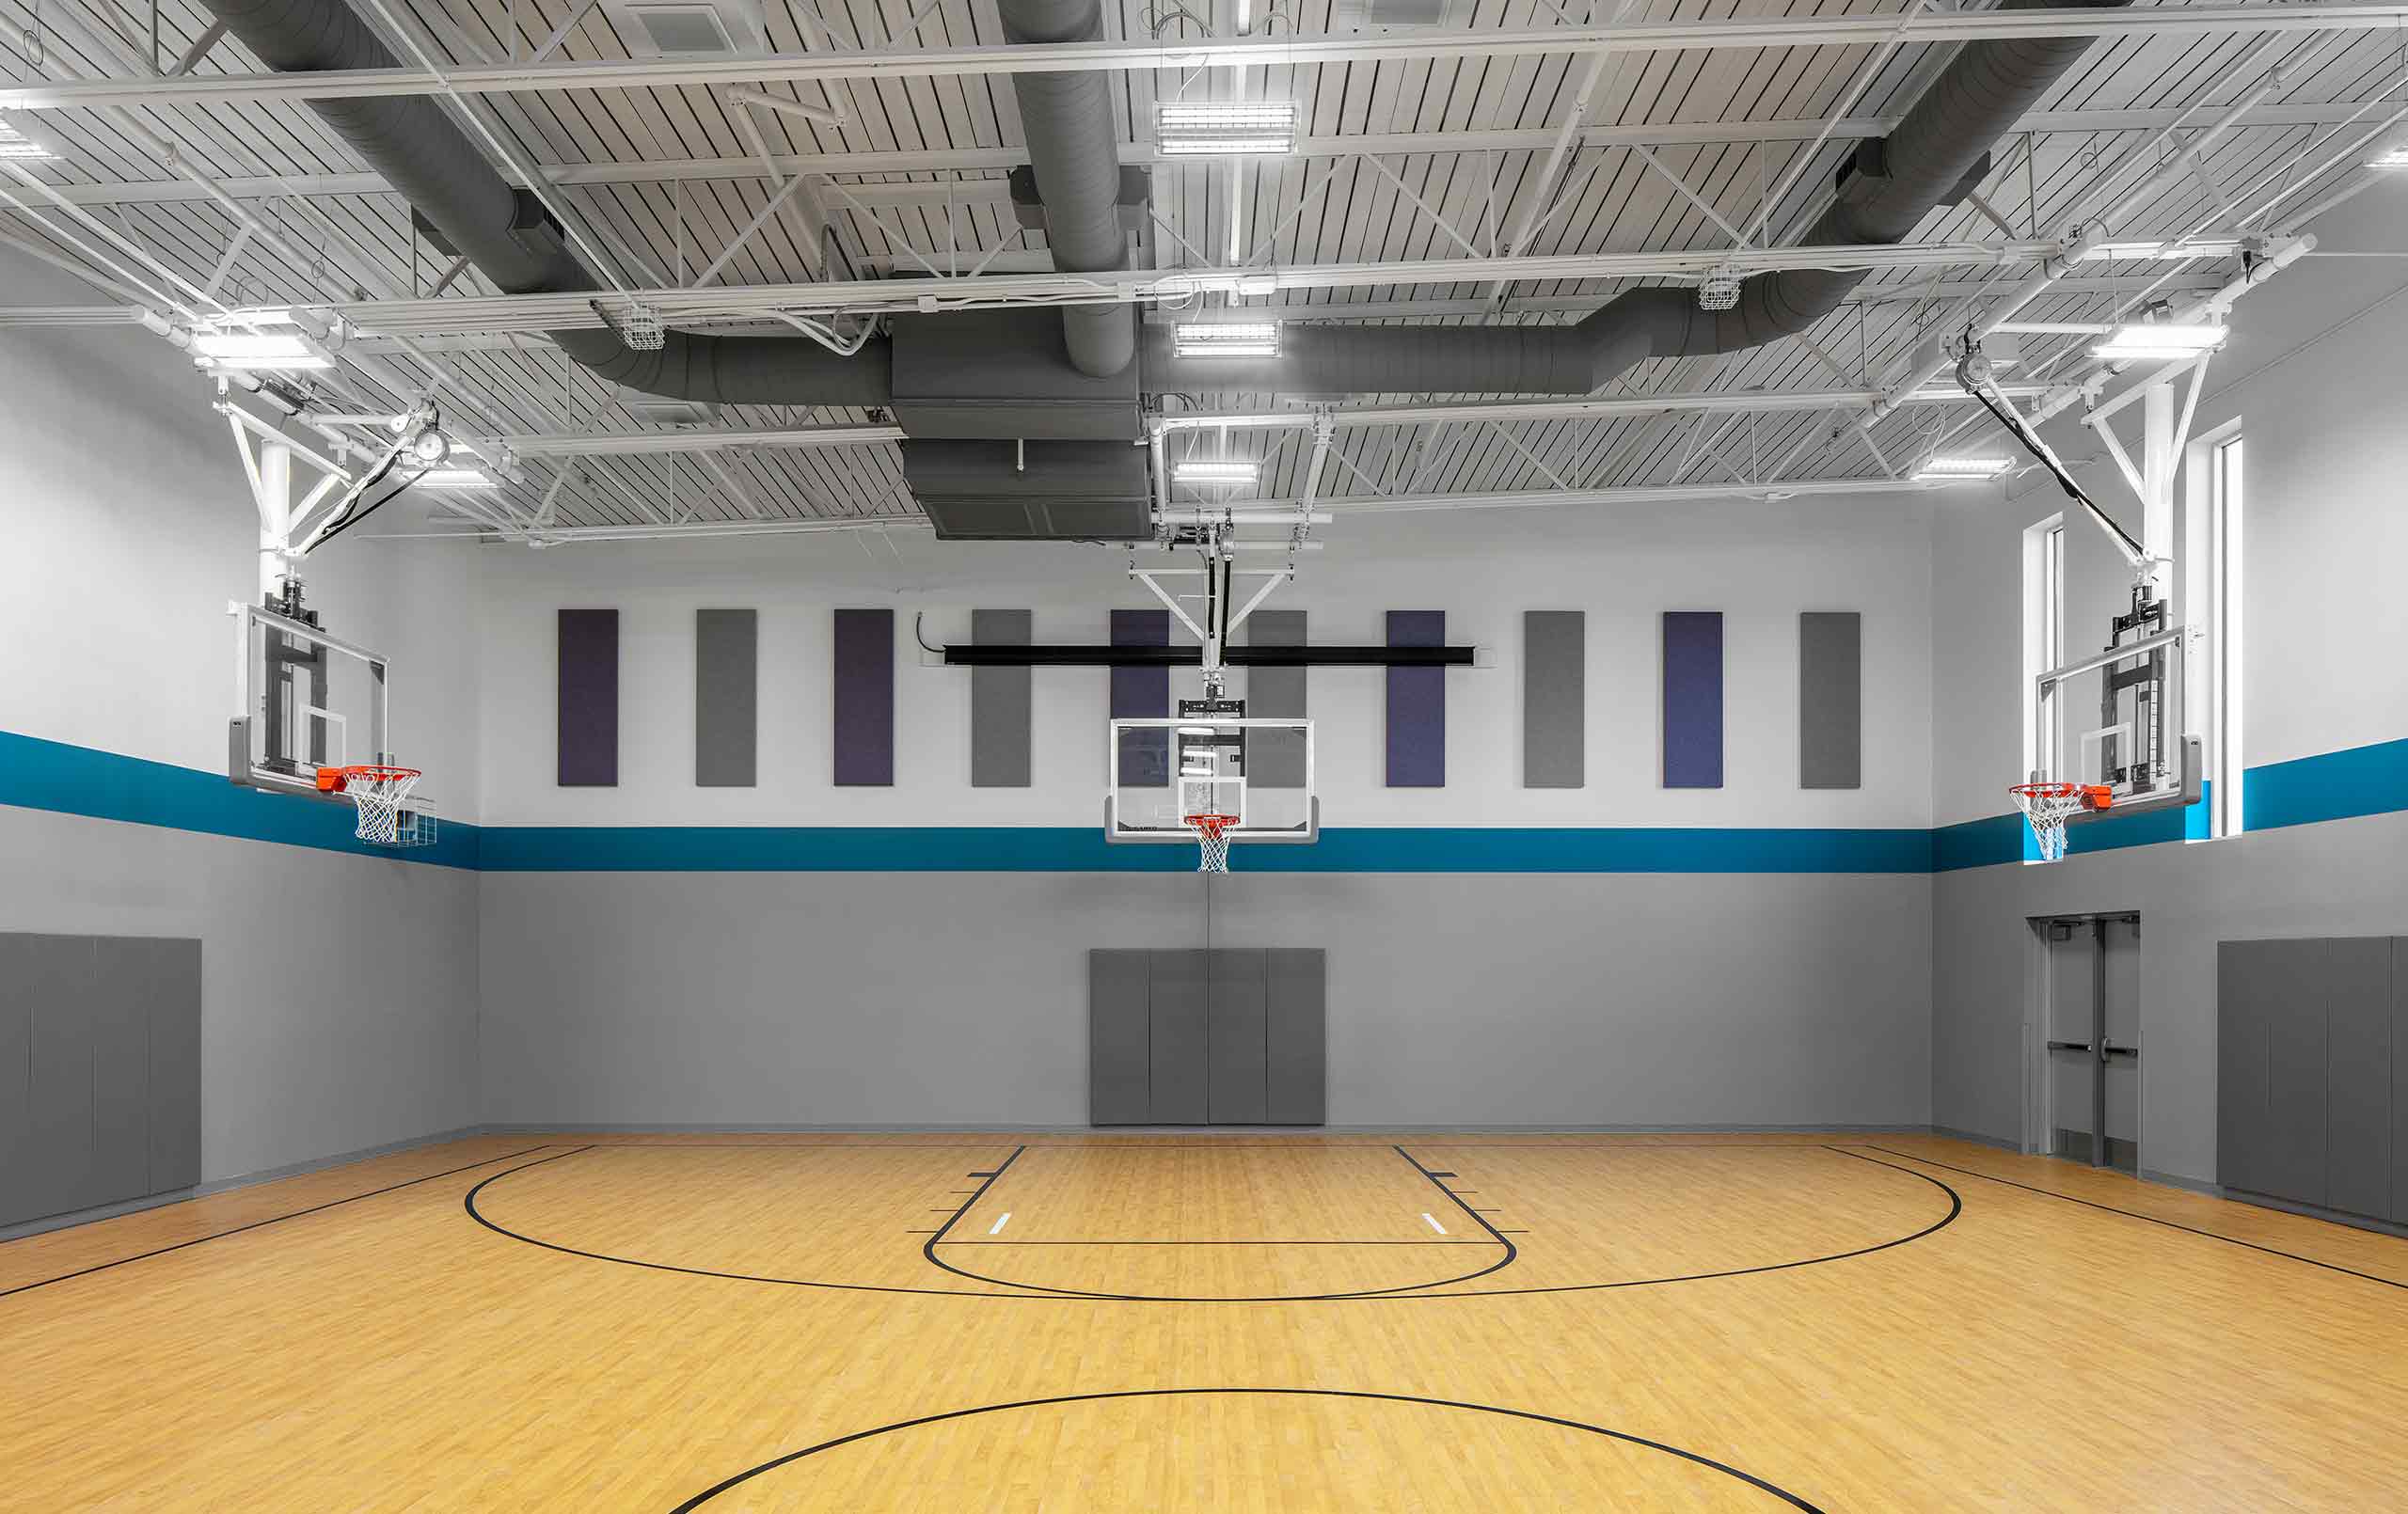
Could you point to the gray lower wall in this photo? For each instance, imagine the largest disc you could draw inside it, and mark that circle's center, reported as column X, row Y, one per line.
column 339, row 993
column 960, row 998
column 2343, row 877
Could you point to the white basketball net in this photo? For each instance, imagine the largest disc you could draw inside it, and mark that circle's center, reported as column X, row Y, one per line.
column 2049, row 805
column 378, row 793
column 1213, row 840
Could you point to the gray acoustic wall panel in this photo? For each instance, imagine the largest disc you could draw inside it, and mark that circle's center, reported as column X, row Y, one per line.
column 173, row 969
column 1276, row 759
column 1417, row 705
column 1142, row 693
column 2357, row 1138
column 862, row 657
column 1119, row 1037
column 1297, row 999
column 1830, row 699
column 1554, row 705
column 2297, row 1075
column 727, row 698
column 999, row 703
column 587, row 712
column 1179, row 1044
column 17, row 954
column 119, row 1009
column 1237, row 1081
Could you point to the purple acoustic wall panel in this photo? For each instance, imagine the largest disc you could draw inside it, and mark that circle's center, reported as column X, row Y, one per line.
column 1692, row 699
column 589, row 699
column 1417, row 705
column 865, row 698
column 1139, row 693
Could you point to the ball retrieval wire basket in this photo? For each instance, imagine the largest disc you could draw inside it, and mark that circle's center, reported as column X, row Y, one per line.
column 2049, row 805
column 377, row 793
column 1212, row 838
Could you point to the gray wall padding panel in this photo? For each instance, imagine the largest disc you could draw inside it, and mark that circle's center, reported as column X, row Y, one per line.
column 862, row 657
column 100, row 1041
column 1119, row 1037
column 2398, row 1213
column 2298, row 1074
column 1296, row 983
column 999, row 703
column 17, row 955
column 1554, row 700
column 727, row 698
column 173, row 969
column 1179, row 1011
column 1142, row 693
column 1276, row 759
column 1830, row 699
column 2357, row 1160
column 1417, row 705
column 1237, row 1081
column 589, row 699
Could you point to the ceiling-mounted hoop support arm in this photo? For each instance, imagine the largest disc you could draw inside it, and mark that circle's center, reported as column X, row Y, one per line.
column 2165, row 436
column 267, row 456
column 1975, row 375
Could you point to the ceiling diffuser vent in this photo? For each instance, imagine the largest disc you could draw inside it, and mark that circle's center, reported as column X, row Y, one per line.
column 702, row 28
column 658, row 411
column 1394, row 15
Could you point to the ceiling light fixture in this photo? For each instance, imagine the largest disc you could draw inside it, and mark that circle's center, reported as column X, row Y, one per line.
column 1190, row 128
column 18, row 146
column 1962, row 470
column 259, row 352
column 1225, row 338
column 2390, row 158
column 2144, row 339
column 455, row 478
column 1220, row 471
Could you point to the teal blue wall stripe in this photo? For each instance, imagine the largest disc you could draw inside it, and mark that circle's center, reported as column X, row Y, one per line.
column 53, row 774
column 50, row 775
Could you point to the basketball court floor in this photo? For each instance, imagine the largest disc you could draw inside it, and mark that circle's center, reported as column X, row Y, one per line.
column 1441, row 1322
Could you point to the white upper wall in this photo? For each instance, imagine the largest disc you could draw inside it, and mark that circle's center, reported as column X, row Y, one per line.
column 2314, row 372
column 1760, row 564
column 129, row 529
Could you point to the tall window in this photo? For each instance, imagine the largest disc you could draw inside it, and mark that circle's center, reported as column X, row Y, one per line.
column 2044, row 638
column 2226, row 503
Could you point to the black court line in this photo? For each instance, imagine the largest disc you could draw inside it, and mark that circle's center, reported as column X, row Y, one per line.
column 929, row 1251
column 273, row 1220
column 2134, row 1214
column 1031, row 1294
column 1217, row 1244
column 1785, row 1495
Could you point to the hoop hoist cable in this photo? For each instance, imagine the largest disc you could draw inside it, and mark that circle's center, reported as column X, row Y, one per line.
column 1974, row 377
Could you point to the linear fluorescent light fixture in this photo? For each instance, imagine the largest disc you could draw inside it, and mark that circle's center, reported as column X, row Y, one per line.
column 1213, row 470
column 2390, row 158
column 1188, row 128
column 274, row 352
column 455, row 479
column 1958, row 469
column 17, row 145
column 2141, row 341
column 1225, row 338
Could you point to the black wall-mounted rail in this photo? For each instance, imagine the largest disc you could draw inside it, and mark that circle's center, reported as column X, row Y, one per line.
column 979, row 655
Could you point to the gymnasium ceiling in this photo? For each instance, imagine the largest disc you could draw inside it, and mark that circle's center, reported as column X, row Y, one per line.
column 1451, row 157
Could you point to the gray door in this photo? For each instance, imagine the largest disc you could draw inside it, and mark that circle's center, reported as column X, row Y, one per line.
column 1119, row 1037
column 1299, row 1035
column 2118, row 942
column 1180, row 1043
column 2074, row 1051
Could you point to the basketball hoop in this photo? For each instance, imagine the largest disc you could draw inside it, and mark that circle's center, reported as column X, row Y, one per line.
column 378, row 794
column 2049, row 805
column 1211, row 837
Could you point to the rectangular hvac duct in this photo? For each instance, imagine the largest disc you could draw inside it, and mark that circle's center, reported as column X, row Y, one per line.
column 1003, row 374
column 1001, row 491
